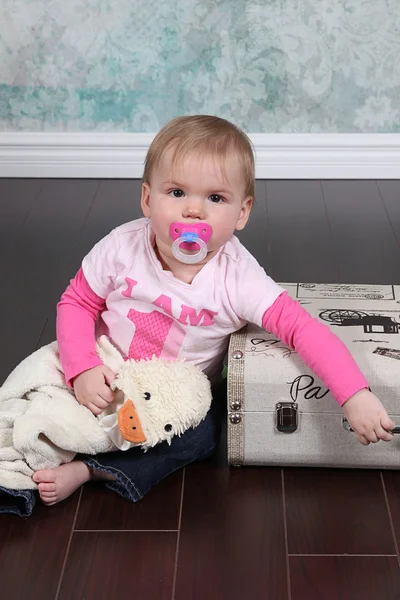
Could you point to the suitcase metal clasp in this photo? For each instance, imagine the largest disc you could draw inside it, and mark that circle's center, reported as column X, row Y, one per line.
column 286, row 417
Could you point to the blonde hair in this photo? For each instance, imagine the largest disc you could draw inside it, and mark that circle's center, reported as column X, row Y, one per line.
column 205, row 133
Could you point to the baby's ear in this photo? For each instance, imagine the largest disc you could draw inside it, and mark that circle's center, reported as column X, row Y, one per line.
column 145, row 200
column 247, row 205
column 109, row 354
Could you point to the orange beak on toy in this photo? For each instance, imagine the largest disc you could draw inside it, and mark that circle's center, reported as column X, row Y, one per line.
column 129, row 424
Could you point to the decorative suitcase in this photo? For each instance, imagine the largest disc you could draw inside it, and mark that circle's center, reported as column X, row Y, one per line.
column 280, row 413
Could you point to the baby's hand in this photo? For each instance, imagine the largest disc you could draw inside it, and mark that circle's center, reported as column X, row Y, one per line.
column 368, row 418
column 92, row 388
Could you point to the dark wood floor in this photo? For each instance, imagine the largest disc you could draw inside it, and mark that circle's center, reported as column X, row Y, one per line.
column 208, row 532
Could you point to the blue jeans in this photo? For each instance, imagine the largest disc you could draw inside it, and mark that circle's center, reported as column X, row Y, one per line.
column 135, row 471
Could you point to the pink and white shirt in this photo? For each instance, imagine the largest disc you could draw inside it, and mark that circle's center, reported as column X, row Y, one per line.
column 122, row 291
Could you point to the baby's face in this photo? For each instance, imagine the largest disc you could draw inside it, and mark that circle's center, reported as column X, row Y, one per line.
column 199, row 189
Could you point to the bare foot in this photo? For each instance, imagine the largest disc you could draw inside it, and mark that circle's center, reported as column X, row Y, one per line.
column 57, row 484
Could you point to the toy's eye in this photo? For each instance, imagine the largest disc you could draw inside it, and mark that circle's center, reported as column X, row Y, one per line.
column 147, row 395
column 168, row 428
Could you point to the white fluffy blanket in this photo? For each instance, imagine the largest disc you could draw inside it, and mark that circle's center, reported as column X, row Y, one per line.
column 41, row 423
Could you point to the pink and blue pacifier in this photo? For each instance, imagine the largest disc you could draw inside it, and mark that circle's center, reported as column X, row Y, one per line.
column 190, row 241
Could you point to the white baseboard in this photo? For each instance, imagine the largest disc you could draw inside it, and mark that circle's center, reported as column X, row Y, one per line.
column 278, row 156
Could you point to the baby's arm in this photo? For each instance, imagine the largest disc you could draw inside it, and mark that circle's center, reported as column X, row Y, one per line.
column 77, row 312
column 329, row 358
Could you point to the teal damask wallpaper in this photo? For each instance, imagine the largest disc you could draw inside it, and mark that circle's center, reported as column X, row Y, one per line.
column 267, row 65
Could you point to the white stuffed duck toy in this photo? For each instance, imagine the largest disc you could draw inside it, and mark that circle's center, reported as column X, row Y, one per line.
column 155, row 399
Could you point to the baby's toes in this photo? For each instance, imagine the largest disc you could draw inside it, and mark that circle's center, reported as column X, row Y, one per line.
column 48, row 495
column 48, row 499
column 44, row 476
column 47, row 487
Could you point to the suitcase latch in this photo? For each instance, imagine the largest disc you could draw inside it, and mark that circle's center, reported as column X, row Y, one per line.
column 286, row 417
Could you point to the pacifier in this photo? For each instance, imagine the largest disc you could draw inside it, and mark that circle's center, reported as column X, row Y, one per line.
column 190, row 241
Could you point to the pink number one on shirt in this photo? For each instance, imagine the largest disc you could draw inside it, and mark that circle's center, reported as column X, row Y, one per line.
column 151, row 333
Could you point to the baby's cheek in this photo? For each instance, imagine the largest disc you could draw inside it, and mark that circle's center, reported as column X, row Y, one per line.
column 224, row 224
column 225, row 231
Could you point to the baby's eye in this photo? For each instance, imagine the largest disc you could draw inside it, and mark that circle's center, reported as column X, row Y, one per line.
column 177, row 193
column 216, row 198
column 147, row 395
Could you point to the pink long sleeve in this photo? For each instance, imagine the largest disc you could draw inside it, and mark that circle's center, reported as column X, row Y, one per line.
column 320, row 349
column 77, row 312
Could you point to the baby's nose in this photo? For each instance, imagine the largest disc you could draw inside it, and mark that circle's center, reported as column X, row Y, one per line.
column 194, row 208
